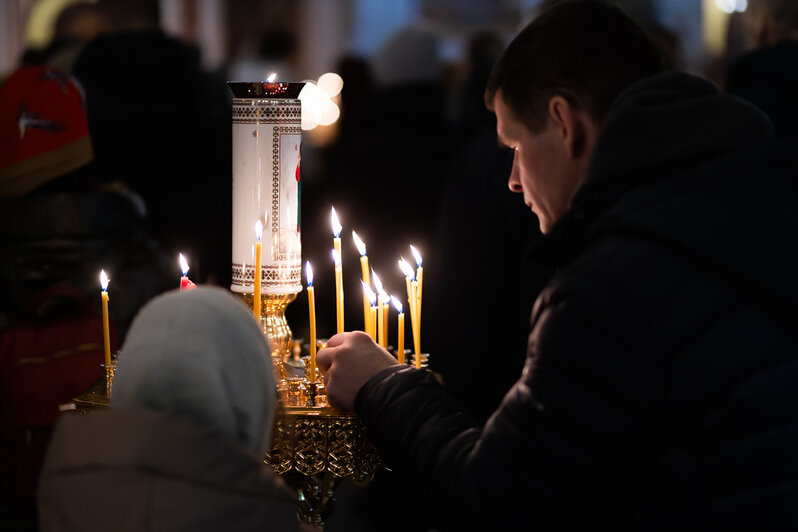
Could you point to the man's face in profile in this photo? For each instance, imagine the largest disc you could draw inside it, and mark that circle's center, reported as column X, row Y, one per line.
column 543, row 171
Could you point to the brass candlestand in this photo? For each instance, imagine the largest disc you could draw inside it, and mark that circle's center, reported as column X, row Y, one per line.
column 275, row 326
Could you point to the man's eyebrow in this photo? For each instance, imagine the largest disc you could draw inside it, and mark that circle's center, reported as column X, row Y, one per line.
column 500, row 142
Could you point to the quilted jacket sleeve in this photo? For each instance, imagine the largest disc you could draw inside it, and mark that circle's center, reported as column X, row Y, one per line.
column 569, row 437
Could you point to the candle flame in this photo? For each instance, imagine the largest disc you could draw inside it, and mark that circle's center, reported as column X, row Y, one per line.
column 336, row 225
column 406, row 269
column 272, row 77
column 361, row 247
column 103, row 280
column 183, row 264
column 377, row 282
column 336, row 257
column 370, row 295
column 396, row 304
column 309, row 273
column 416, row 254
column 259, row 229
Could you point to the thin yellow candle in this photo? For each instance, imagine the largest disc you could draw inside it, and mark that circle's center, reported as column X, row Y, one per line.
column 416, row 324
column 381, row 315
column 256, row 291
column 312, row 313
column 339, row 292
column 419, row 279
column 106, row 329
column 400, row 326
column 412, row 300
column 364, row 267
column 419, row 287
column 336, row 229
column 371, row 324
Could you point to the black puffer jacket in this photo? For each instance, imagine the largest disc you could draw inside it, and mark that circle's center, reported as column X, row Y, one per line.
column 768, row 78
column 659, row 391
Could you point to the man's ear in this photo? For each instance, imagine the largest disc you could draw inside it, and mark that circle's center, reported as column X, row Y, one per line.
column 569, row 124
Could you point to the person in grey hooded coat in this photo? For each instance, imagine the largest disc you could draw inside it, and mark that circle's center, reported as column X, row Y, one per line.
column 182, row 446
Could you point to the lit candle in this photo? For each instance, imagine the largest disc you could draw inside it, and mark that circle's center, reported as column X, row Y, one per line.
column 419, row 279
column 106, row 331
column 400, row 325
column 339, row 291
column 381, row 315
column 312, row 312
column 371, row 323
column 336, row 229
column 185, row 282
column 419, row 283
column 364, row 268
column 412, row 300
column 256, row 291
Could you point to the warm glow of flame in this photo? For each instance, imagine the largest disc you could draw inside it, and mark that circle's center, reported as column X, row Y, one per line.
column 377, row 282
column 416, row 254
column 258, row 229
column 103, row 280
column 309, row 273
column 406, row 269
column 361, row 247
column 336, row 257
column 396, row 304
column 272, row 77
column 370, row 295
column 183, row 264
column 336, row 225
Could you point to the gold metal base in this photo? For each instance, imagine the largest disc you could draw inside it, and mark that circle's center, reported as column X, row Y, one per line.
column 274, row 325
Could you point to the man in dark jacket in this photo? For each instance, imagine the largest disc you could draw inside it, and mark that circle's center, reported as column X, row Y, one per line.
column 658, row 391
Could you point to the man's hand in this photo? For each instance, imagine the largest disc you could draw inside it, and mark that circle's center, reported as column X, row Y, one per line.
column 348, row 361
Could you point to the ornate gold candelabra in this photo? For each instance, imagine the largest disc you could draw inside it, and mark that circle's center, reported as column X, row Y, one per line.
column 314, row 446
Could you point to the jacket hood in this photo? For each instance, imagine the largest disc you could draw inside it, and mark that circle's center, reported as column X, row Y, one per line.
column 767, row 77
column 682, row 164
column 199, row 355
column 670, row 123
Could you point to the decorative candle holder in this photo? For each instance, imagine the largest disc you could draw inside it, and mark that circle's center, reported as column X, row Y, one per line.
column 313, row 449
column 109, row 375
column 424, row 360
column 267, row 137
column 274, row 325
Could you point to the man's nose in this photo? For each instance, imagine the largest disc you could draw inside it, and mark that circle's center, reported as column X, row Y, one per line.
column 514, row 183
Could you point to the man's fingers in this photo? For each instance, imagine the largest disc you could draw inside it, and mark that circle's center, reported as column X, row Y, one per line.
column 324, row 358
column 336, row 340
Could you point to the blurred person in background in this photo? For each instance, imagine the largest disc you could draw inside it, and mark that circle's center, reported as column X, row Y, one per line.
column 60, row 224
column 160, row 123
column 182, row 446
column 76, row 24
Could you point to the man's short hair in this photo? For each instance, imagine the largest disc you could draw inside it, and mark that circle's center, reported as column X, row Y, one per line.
column 584, row 51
